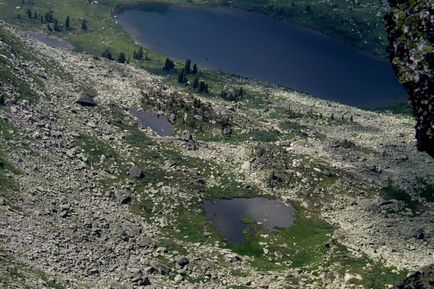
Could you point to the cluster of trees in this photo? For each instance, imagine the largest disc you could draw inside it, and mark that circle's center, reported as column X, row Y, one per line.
column 52, row 22
column 197, row 84
column 232, row 94
column 122, row 57
column 140, row 54
column 191, row 113
column 200, row 85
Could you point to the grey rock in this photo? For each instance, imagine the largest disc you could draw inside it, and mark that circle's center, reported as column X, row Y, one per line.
column 136, row 172
column 192, row 145
column 182, row 261
column 186, row 136
column 160, row 268
column 227, row 130
column 85, row 100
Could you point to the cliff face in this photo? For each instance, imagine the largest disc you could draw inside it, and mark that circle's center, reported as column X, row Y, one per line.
column 410, row 25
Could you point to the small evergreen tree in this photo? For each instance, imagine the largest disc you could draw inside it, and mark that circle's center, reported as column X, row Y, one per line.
column 182, row 76
column 67, row 22
column 187, row 66
column 122, row 58
column 42, row 19
column 35, row 15
column 2, row 100
column 29, row 13
column 168, row 64
column 194, row 70
column 202, row 86
column 49, row 17
column 84, row 25
column 56, row 26
column 140, row 53
column 49, row 27
column 195, row 83
column 107, row 54
column 241, row 92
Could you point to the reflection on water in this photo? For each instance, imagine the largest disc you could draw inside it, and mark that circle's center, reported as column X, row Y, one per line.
column 51, row 41
column 265, row 48
column 227, row 215
column 157, row 122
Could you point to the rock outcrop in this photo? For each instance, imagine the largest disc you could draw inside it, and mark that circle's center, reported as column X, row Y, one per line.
column 410, row 25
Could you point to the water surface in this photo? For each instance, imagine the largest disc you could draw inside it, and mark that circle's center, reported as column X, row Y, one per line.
column 228, row 216
column 51, row 41
column 149, row 119
column 263, row 47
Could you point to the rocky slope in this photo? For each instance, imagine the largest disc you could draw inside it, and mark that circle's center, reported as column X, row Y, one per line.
column 411, row 36
column 74, row 214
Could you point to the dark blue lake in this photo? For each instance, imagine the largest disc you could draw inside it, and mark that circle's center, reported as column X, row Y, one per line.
column 265, row 48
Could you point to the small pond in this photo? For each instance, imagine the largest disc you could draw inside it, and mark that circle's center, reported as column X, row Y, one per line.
column 51, row 41
column 228, row 216
column 155, row 121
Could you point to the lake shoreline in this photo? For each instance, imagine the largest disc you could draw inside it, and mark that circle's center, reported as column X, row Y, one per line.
column 343, row 73
column 119, row 8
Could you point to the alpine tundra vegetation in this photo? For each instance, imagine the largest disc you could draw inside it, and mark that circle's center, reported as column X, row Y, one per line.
column 109, row 164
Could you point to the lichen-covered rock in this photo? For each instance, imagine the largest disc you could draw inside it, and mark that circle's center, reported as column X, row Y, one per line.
column 410, row 25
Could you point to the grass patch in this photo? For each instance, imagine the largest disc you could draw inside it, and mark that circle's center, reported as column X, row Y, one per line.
column 397, row 108
column 237, row 138
column 7, row 183
column 301, row 245
column 396, row 193
column 426, row 191
column 10, row 75
column 6, row 131
column 374, row 274
column 239, row 273
column 95, row 149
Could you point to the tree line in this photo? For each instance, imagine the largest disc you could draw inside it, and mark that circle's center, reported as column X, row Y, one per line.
column 52, row 23
column 122, row 57
column 188, row 69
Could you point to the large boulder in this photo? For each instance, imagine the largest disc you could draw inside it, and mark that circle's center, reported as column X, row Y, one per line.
column 186, row 136
column 85, row 100
column 182, row 261
column 136, row 172
column 160, row 268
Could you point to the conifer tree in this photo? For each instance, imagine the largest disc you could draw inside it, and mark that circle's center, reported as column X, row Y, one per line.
column 187, row 66
column 107, row 54
column 195, row 83
column 84, row 25
column 182, row 76
column 56, row 26
column 122, row 58
column 168, row 64
column 194, row 70
column 67, row 22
